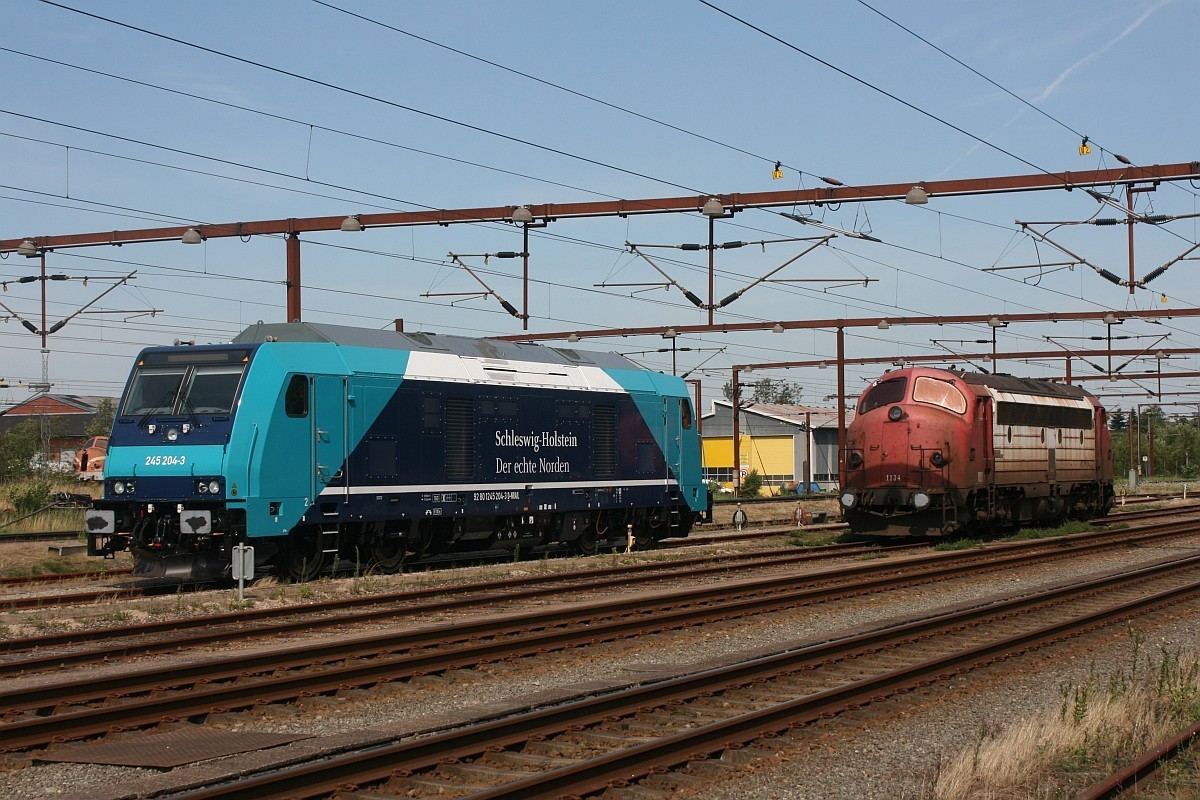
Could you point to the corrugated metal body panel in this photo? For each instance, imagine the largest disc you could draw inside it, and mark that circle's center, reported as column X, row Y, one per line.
column 1024, row 456
column 1029, row 454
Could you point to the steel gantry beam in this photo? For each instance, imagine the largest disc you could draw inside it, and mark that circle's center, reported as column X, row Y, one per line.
column 291, row 228
column 857, row 322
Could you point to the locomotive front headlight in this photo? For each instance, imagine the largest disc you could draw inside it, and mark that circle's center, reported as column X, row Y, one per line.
column 118, row 487
column 856, row 459
column 202, row 488
column 848, row 500
column 920, row 500
column 214, row 486
column 937, row 459
column 895, row 413
column 172, row 434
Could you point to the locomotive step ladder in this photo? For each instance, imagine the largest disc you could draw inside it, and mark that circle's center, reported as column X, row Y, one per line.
column 328, row 539
column 949, row 515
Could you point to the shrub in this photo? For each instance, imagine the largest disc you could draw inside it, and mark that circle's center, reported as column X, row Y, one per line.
column 752, row 484
column 29, row 497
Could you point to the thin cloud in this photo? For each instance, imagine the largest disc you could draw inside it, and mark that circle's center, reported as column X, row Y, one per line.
column 1053, row 86
column 1049, row 90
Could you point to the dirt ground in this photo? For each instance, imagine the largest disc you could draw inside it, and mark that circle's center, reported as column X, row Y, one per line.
column 33, row 558
column 776, row 510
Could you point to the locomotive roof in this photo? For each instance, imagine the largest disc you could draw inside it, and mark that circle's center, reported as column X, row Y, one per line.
column 428, row 342
column 1010, row 383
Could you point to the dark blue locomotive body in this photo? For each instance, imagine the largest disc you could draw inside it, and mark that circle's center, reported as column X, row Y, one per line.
column 319, row 443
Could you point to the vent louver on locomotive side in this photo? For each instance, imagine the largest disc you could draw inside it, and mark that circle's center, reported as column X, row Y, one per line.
column 604, row 450
column 460, row 438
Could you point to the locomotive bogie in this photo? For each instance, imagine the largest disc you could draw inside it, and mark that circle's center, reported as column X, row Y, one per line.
column 377, row 447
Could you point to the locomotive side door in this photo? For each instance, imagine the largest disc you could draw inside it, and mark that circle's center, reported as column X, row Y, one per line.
column 329, row 435
column 672, row 437
column 985, row 440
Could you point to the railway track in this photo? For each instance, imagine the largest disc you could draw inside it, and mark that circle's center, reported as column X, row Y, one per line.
column 312, row 617
column 159, row 588
column 118, row 642
column 763, row 530
column 675, row 733
column 1136, row 774
column 91, row 706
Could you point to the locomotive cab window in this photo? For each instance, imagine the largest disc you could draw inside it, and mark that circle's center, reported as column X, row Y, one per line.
column 939, row 393
column 184, row 389
column 883, row 393
column 153, row 390
column 685, row 413
column 295, row 401
column 211, row 388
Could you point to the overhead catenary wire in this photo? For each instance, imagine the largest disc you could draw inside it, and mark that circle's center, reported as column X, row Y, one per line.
column 567, row 89
column 245, row 166
column 376, row 140
column 375, row 99
column 880, row 90
column 237, row 164
column 914, row 251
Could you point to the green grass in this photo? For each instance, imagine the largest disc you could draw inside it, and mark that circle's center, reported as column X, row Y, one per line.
column 56, row 519
column 48, row 566
column 957, row 544
column 814, row 539
column 1066, row 529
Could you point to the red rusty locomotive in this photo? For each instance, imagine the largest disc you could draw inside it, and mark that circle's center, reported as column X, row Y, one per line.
column 932, row 452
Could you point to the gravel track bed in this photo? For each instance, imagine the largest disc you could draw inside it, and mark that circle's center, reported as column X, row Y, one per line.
column 850, row 758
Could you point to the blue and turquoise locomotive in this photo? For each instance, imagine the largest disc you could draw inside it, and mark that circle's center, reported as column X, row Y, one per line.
column 319, row 444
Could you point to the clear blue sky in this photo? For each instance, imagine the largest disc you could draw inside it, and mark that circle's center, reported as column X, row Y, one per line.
column 1120, row 71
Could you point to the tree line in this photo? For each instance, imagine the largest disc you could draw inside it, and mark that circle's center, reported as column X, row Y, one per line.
column 1163, row 445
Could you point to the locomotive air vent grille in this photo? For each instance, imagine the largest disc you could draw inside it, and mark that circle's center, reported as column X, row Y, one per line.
column 460, row 438
column 604, row 452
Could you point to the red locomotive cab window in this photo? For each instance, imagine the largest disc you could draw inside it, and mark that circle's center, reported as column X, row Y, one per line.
column 883, row 393
column 939, row 393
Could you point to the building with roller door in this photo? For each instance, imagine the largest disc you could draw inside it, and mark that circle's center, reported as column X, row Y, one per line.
column 789, row 445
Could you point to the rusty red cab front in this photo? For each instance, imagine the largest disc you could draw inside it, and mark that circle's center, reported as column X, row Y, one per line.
column 911, row 441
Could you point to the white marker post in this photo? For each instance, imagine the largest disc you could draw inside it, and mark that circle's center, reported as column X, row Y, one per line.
column 243, row 567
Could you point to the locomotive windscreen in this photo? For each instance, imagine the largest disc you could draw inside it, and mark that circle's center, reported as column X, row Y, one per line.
column 882, row 394
column 177, row 388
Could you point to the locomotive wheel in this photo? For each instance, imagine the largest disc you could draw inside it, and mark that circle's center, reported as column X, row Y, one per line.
column 585, row 544
column 389, row 555
column 305, row 559
column 644, row 540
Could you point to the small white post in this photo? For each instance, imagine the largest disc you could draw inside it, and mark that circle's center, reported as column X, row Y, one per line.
column 243, row 567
